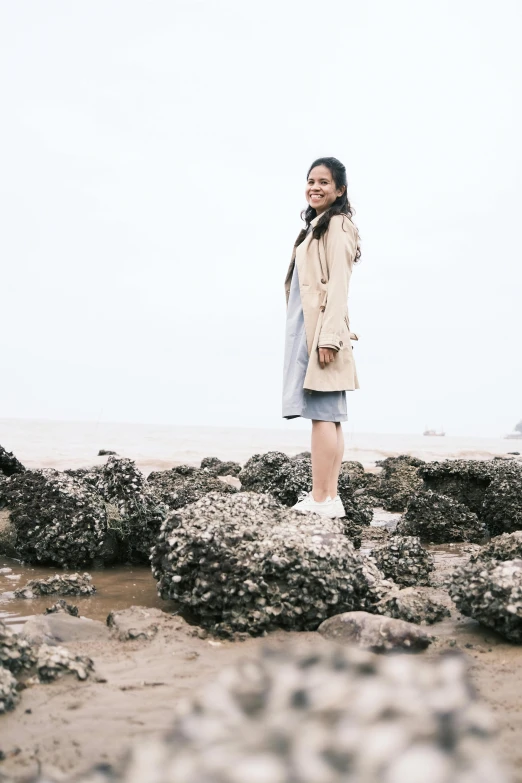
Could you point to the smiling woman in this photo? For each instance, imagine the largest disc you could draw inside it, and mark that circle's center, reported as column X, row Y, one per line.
column 319, row 367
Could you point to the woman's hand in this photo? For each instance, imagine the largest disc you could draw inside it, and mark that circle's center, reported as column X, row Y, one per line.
column 326, row 355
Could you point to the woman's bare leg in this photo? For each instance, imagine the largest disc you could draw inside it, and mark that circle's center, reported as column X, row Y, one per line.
column 339, row 454
column 324, row 458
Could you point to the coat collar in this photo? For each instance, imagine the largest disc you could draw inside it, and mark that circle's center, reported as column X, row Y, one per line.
column 316, row 219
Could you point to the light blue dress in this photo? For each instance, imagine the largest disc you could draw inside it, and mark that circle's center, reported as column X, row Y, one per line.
column 297, row 401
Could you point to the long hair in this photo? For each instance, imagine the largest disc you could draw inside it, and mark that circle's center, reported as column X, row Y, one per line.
column 341, row 205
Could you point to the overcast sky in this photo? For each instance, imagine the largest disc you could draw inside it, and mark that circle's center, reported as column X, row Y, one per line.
column 153, row 162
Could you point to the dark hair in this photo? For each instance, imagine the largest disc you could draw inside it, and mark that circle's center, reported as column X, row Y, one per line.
column 341, row 205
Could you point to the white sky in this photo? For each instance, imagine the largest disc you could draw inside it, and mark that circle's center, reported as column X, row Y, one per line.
column 153, row 160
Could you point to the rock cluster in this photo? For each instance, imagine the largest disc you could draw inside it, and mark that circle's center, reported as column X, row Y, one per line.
column 404, row 560
column 59, row 584
column 439, row 519
column 217, row 467
column 245, row 563
column 16, row 654
column 184, row 484
column 286, row 479
column 490, row 592
column 413, row 604
column 54, row 662
column 374, row 632
column 398, row 481
column 323, row 713
column 9, row 465
column 9, row 696
column 58, row 519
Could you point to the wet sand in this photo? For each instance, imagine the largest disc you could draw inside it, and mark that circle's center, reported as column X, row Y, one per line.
column 67, row 726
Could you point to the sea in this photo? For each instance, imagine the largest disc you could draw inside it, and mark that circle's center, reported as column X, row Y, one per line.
column 70, row 444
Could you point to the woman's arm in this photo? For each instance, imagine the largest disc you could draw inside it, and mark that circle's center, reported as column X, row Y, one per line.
column 341, row 247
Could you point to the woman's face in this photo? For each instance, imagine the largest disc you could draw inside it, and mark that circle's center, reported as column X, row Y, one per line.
column 320, row 190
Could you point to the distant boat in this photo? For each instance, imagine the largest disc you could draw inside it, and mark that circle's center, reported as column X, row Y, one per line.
column 434, row 432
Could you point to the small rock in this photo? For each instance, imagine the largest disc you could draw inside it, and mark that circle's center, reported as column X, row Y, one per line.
column 374, row 632
column 137, row 622
column 59, row 584
column 62, row 606
column 55, row 662
column 414, row 605
column 404, row 559
column 106, row 453
column 16, row 653
column 61, row 627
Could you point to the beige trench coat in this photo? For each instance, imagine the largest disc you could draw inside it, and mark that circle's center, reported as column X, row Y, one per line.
column 325, row 267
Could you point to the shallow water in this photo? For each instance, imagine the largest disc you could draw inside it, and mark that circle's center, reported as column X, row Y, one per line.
column 116, row 588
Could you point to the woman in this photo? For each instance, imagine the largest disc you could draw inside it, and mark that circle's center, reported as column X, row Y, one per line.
column 319, row 367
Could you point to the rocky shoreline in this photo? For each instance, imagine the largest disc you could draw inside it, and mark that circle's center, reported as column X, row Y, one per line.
column 241, row 566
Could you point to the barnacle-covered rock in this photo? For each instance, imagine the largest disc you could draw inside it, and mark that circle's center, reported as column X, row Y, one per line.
column 398, row 481
column 404, row 559
column 217, row 467
column 184, row 484
column 9, row 465
column 502, row 507
column 16, row 654
column 54, row 662
column 8, row 545
column 320, row 713
column 61, row 606
column 58, row 519
column 438, row 519
column 508, row 546
column 9, row 696
column 413, row 604
column 464, row 480
column 59, row 584
column 374, row 632
column 141, row 513
column 286, row 479
column 245, row 563
column 491, row 592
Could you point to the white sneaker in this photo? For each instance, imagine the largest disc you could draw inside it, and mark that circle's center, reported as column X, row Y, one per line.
column 337, row 507
column 307, row 505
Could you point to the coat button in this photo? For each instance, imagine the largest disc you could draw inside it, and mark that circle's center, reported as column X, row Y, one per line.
column 322, row 308
column 323, row 281
column 341, row 343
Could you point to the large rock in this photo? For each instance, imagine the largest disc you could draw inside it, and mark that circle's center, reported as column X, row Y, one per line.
column 286, row 479
column 491, row 592
column 404, row 560
column 140, row 512
column 466, row 481
column 398, row 481
column 320, row 714
column 413, row 604
column 58, row 520
column 184, row 484
column 59, row 584
column 9, row 696
column 246, row 563
column 508, row 546
column 374, row 632
column 502, row 508
column 61, row 628
column 9, row 465
column 438, row 519
column 217, row 467
column 16, row 654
